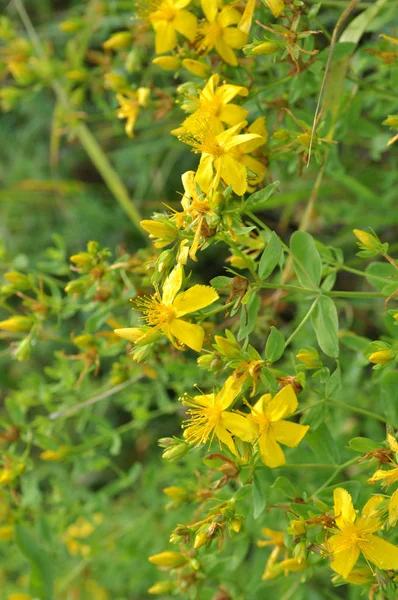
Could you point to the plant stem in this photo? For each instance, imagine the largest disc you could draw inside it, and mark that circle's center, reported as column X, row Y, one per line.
column 333, row 294
column 303, row 321
column 337, row 472
column 361, row 411
column 363, row 274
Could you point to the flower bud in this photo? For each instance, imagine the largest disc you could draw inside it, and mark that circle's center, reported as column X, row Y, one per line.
column 309, row 358
column 119, row 40
column 18, row 280
column 201, row 539
column 297, row 527
column 264, row 48
column 367, row 239
column 83, row 259
column 71, row 26
column 6, row 533
column 236, row 524
column 16, row 324
column 162, row 587
column 167, row 63
column 381, row 357
column 196, row 67
column 115, row 82
column 281, row 134
column 176, row 452
column 77, row 75
column 227, row 347
column 168, row 559
column 176, row 493
column 55, row 455
column 78, row 286
column 391, row 121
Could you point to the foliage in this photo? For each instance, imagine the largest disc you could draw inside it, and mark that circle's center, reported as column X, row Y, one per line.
column 261, row 351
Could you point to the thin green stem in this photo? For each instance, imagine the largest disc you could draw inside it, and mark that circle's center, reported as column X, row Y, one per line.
column 302, row 322
column 361, row 411
column 333, row 294
column 337, row 472
column 363, row 274
column 218, row 309
column 309, row 466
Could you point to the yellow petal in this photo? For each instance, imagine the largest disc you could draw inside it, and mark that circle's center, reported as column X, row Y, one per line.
column 209, row 7
column 276, row 6
column 226, row 53
column 343, row 561
column 186, row 23
column 227, row 92
column 131, row 334
column 234, row 174
column 228, row 16
column 271, row 452
column 172, row 285
column 233, row 114
column 239, row 425
column 166, row 38
column 283, row 404
column 246, row 21
column 343, row 508
column 234, row 38
column 195, row 298
column 393, row 509
column 392, row 442
column 225, row 437
column 371, row 507
column 205, row 173
column 289, row 434
column 188, row 333
column 228, row 392
column 381, row 553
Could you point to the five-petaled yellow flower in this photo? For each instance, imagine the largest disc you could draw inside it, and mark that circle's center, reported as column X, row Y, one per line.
column 217, row 32
column 163, row 312
column 213, row 103
column 269, row 416
column 130, row 106
column 209, row 417
column 168, row 19
column 219, row 161
column 356, row 536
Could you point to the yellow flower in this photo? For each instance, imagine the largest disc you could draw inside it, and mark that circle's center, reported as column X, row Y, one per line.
column 130, row 107
column 217, row 32
column 393, row 509
column 168, row 19
column 164, row 312
column 356, row 536
column 255, row 169
column 387, row 477
column 276, row 7
column 268, row 414
column 246, row 21
column 209, row 417
column 213, row 104
column 381, row 357
column 218, row 161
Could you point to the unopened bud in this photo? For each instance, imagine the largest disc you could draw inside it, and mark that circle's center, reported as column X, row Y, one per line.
column 367, row 239
column 264, row 48
column 196, row 67
column 236, row 524
column 310, row 358
column 176, row 452
column 119, row 40
column 168, row 559
column 201, row 539
column 167, row 63
column 16, row 324
column 381, row 357
column 162, row 587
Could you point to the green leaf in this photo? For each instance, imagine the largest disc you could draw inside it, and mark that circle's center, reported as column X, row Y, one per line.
column 258, row 200
column 41, row 577
column 326, row 325
column 334, row 383
column 248, row 316
column 275, row 345
column 259, row 493
column 270, row 257
column 323, row 445
column 306, row 260
column 315, row 416
column 363, row 445
column 389, row 396
column 286, row 487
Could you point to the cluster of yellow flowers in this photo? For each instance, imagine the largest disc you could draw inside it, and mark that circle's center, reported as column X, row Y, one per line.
column 232, row 159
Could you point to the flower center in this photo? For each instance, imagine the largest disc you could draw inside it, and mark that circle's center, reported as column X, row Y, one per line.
column 155, row 312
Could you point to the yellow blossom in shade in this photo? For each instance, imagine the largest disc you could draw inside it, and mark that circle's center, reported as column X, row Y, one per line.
column 217, row 32
column 276, row 7
column 168, row 18
column 213, row 104
column 218, row 156
column 268, row 414
column 393, row 509
column 356, row 536
column 163, row 312
column 381, row 357
column 130, row 105
column 209, row 417
column 196, row 67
